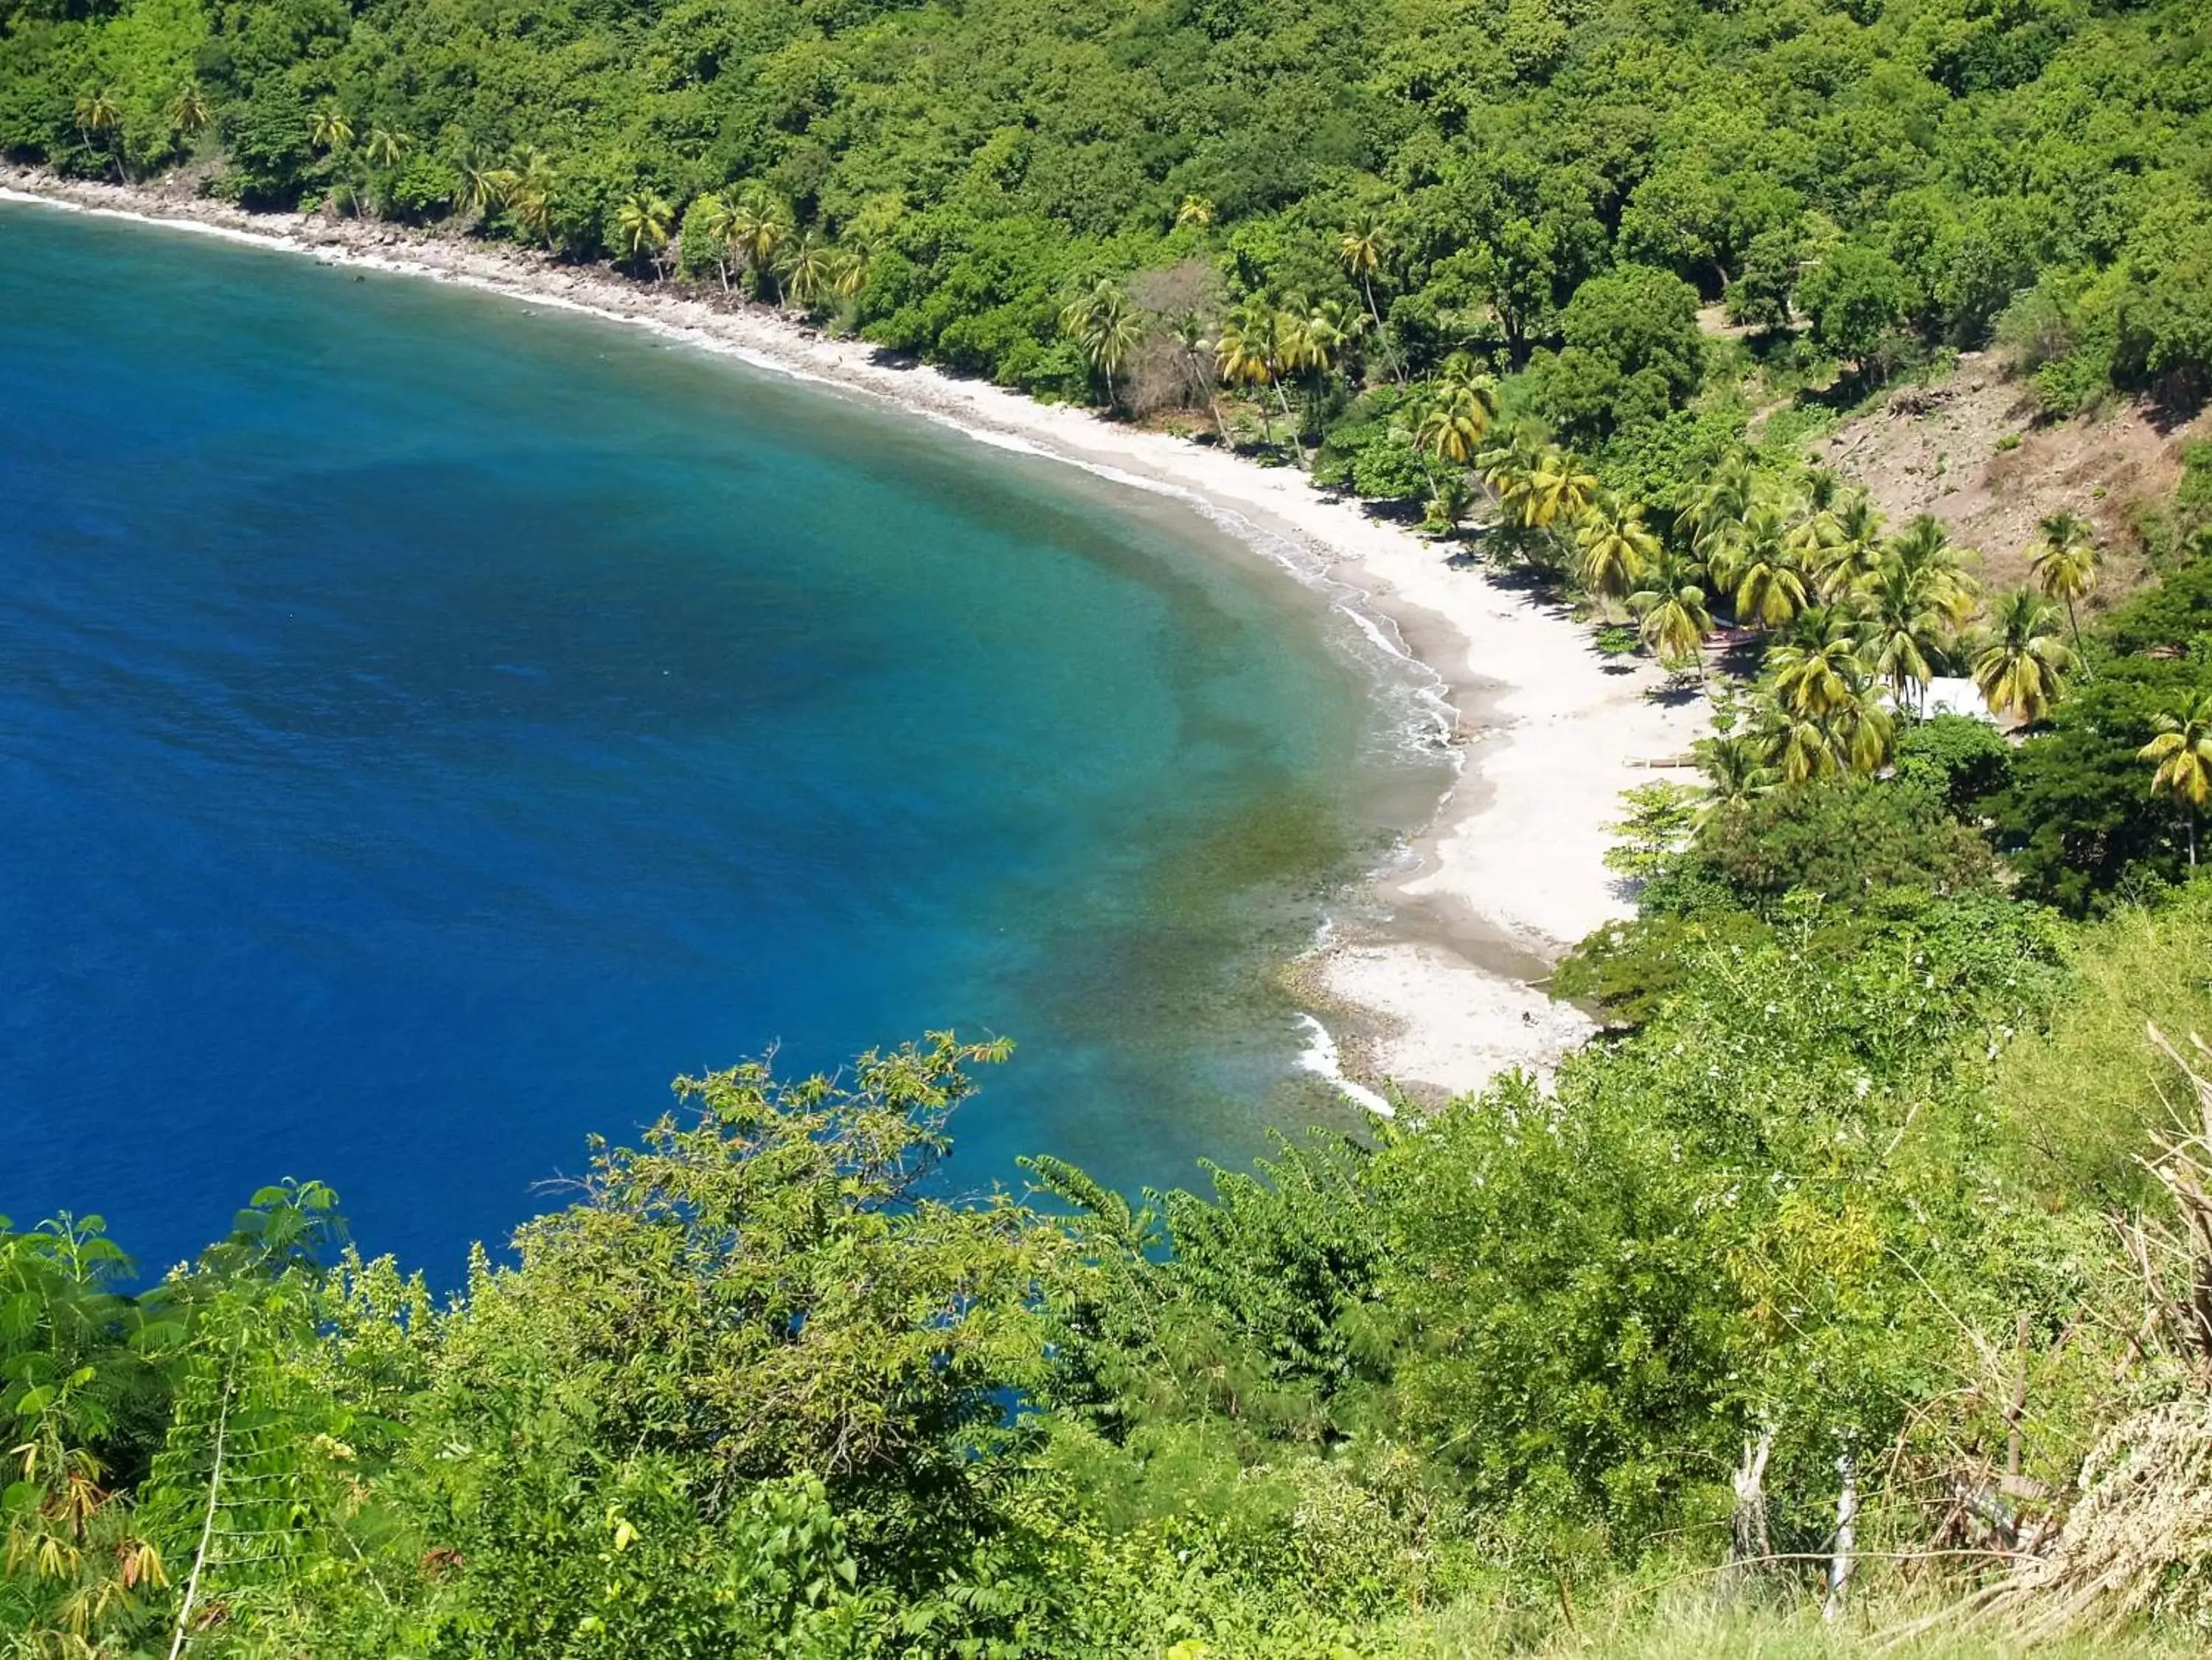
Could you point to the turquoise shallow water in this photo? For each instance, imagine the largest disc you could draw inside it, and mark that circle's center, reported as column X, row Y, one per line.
column 427, row 724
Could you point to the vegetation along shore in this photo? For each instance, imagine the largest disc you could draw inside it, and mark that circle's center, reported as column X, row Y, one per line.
column 1781, row 428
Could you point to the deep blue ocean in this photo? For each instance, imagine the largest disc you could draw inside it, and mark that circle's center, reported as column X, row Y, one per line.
column 428, row 724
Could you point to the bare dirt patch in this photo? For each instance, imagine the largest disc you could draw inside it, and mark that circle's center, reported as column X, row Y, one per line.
column 1968, row 449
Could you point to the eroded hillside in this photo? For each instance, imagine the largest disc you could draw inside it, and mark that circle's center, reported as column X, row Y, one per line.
column 1970, row 449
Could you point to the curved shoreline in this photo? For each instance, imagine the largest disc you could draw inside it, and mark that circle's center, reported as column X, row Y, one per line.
column 1437, row 998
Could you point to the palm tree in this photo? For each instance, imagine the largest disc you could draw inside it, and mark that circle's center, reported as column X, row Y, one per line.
column 1513, row 486
column 1853, row 736
column 1714, row 513
column 527, row 194
column 1450, row 427
column 2021, row 665
column 2183, row 750
column 1769, row 589
column 2065, row 563
column 760, row 227
column 97, row 113
column 810, row 267
column 1195, row 363
column 1242, row 354
column 1254, row 348
column 1862, row 729
column 1816, row 669
column 1813, row 537
column 643, row 221
column 1737, row 766
column 1671, row 608
column 1195, row 210
column 1855, row 554
column 1314, row 333
column 1361, row 247
column 188, row 111
column 1105, row 327
column 1617, row 550
column 851, row 272
column 718, row 218
column 1448, row 500
column 328, row 128
column 483, row 182
column 1797, row 749
column 1457, row 413
column 384, row 146
column 1925, row 551
column 1506, row 465
column 1905, row 635
column 1557, row 491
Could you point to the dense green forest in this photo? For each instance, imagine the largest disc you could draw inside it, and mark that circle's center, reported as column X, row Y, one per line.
column 1858, row 1269
column 1548, row 184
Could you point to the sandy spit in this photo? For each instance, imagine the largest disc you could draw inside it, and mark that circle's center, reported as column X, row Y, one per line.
column 1441, row 988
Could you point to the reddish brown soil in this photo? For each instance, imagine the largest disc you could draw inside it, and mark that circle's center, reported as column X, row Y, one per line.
column 1948, row 449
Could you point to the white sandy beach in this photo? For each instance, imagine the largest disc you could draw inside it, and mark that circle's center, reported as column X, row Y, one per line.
column 1510, row 872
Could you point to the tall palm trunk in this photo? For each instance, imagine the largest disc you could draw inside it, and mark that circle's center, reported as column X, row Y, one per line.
column 1298, row 440
column 1220, row 422
column 1266, row 424
column 1390, row 352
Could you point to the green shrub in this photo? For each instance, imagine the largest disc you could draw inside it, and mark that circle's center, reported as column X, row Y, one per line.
column 1955, row 757
column 1842, row 840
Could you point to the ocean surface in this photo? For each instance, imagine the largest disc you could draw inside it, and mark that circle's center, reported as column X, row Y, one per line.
column 428, row 724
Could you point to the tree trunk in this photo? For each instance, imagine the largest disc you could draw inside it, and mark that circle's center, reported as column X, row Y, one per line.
column 1748, row 1545
column 1842, row 1557
column 1382, row 335
column 1298, row 443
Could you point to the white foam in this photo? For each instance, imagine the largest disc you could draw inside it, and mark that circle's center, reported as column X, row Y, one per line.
column 1319, row 1057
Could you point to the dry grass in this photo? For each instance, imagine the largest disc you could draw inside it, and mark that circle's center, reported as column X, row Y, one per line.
column 1692, row 1624
column 2138, row 1543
